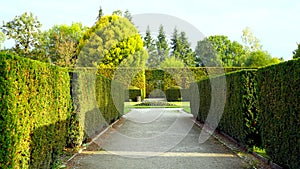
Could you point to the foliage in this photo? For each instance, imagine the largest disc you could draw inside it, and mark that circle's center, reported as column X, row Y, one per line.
column 60, row 43
column 134, row 92
column 95, row 105
column 162, row 45
column 173, row 93
column 34, row 112
column 127, row 76
column 280, row 111
column 296, row 53
column 25, row 30
column 2, row 39
column 240, row 115
column 181, row 48
column 251, row 43
column 149, row 44
column 259, row 59
column 172, row 62
column 218, row 50
column 112, row 42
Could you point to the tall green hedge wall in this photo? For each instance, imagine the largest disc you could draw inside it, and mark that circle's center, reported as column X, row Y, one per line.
column 169, row 77
column 34, row 109
column 98, row 101
column 130, row 77
column 239, row 118
column 279, row 100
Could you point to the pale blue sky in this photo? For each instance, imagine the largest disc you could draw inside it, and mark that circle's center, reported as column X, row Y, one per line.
column 274, row 22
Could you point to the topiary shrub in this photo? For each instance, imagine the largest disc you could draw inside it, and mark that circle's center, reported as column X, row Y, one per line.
column 173, row 93
column 134, row 92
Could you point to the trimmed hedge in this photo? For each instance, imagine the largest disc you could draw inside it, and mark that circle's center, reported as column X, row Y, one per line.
column 34, row 109
column 279, row 98
column 128, row 76
column 98, row 101
column 134, row 92
column 174, row 93
column 239, row 118
column 168, row 77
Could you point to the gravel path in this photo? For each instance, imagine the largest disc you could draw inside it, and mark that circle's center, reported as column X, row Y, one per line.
column 156, row 138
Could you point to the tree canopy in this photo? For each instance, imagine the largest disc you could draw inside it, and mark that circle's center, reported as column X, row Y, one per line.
column 111, row 41
column 25, row 31
column 60, row 43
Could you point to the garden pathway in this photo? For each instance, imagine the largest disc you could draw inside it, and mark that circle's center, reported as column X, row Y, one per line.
column 156, row 138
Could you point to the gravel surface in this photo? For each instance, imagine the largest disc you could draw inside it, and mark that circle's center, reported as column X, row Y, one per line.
column 156, row 138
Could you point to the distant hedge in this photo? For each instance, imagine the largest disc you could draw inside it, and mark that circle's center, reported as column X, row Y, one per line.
column 173, row 93
column 34, row 109
column 279, row 100
column 95, row 106
column 239, row 118
column 134, row 92
column 127, row 76
column 168, row 77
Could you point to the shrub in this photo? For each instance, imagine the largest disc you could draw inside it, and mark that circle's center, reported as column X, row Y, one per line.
column 174, row 93
column 134, row 92
column 280, row 112
column 34, row 109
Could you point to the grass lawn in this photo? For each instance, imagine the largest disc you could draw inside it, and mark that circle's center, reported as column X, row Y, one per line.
column 130, row 105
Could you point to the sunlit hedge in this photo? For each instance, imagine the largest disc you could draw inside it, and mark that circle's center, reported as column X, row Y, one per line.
column 34, row 109
column 98, row 101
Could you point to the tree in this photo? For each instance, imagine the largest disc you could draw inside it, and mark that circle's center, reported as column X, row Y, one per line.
column 172, row 62
column 117, row 12
column 149, row 44
column 60, row 43
column 100, row 14
column 227, row 53
column 260, row 58
column 127, row 15
column 113, row 41
column 206, row 55
column 181, row 48
column 296, row 53
column 251, row 43
column 162, row 45
column 2, row 39
column 25, row 30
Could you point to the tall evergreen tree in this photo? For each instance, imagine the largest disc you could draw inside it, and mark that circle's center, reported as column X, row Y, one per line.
column 149, row 44
column 181, row 48
column 162, row 45
column 25, row 30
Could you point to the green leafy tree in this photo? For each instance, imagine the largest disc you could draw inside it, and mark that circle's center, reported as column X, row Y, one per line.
column 229, row 53
column 260, row 58
column 162, row 45
column 25, row 31
column 206, row 55
column 251, row 43
column 181, row 48
column 113, row 41
column 2, row 39
column 296, row 53
column 172, row 62
column 149, row 44
column 60, row 43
